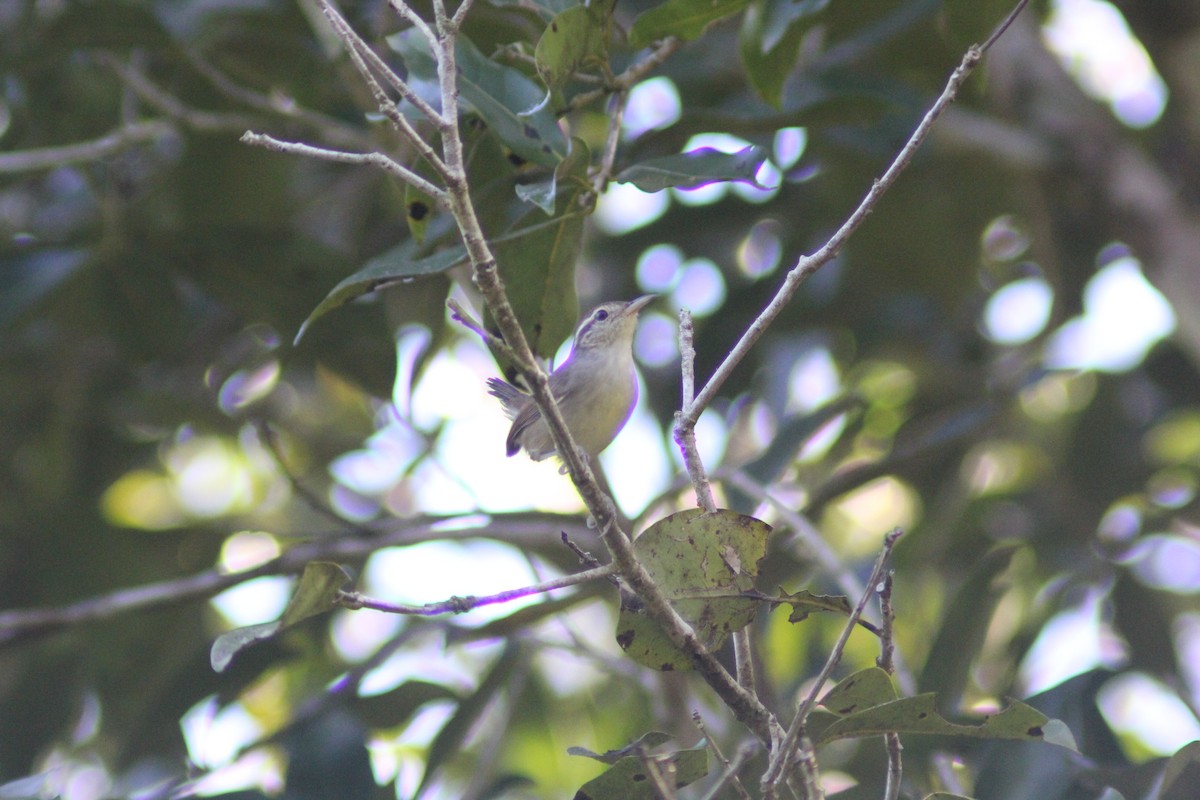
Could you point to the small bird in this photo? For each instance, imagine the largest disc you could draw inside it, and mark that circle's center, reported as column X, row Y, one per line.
column 595, row 388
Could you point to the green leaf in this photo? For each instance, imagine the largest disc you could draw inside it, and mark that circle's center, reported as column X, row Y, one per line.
column 537, row 260
column 418, row 208
column 770, row 38
column 686, row 19
column 314, row 594
column 919, row 714
column 701, row 562
column 513, row 106
column 647, row 741
column 395, row 266
column 628, row 779
column 694, row 168
column 572, row 39
column 805, row 602
column 228, row 644
column 540, row 193
column 864, row 689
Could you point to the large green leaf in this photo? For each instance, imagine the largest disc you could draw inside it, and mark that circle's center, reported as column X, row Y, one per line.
column 685, row 19
column 770, row 39
column 387, row 269
column 572, row 39
column 701, row 562
column 513, row 106
column 537, row 260
column 694, row 168
column 920, row 715
column 627, row 777
column 315, row 594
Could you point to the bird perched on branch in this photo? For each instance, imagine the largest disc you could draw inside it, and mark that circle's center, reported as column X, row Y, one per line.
column 595, row 388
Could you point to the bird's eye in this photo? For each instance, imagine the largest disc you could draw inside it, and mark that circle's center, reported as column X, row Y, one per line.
column 601, row 315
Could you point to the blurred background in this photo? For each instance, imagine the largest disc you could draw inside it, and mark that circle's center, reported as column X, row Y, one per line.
column 1003, row 362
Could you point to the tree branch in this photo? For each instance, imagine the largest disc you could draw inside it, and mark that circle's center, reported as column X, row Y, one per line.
column 807, row 265
column 459, row 605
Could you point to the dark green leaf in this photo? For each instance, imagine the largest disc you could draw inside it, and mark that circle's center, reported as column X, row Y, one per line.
column 538, row 258
column 701, row 562
column 644, row 743
column 513, row 106
column 864, row 689
column 771, row 34
column 314, row 594
column 627, row 778
column 395, row 266
column 919, row 714
column 572, row 39
column 694, row 168
column 685, row 19
column 227, row 645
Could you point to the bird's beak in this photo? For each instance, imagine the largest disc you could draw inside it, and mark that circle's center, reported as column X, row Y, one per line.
column 635, row 306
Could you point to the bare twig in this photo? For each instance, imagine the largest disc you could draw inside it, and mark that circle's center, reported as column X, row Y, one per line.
column 270, row 439
column 887, row 653
column 121, row 139
column 333, row 130
column 780, row 758
column 807, row 265
column 522, row 530
column 615, row 119
column 730, row 776
column 158, row 98
column 685, row 436
column 629, row 77
column 662, row 779
column 464, row 318
column 373, row 159
column 460, row 605
column 368, row 63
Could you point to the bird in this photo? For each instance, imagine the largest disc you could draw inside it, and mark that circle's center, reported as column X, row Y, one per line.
column 595, row 388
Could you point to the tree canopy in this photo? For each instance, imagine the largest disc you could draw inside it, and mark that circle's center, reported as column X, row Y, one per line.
column 250, row 460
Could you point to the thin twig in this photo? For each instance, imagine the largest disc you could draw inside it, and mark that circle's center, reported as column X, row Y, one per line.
column 616, row 119
column 663, row 786
column 807, row 265
column 330, row 128
column 887, row 653
column 685, row 436
column 629, row 77
column 464, row 318
column 460, row 605
column 118, row 140
column 780, row 758
column 730, row 775
column 170, row 105
column 367, row 63
column 373, row 159
column 521, row 530
column 270, row 439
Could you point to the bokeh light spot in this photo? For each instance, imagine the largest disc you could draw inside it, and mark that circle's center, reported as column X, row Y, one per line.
column 1019, row 311
column 653, row 104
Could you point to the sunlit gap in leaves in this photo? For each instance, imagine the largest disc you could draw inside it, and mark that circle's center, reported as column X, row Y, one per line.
column 1094, row 43
column 201, row 477
column 1149, row 718
column 1123, row 317
column 696, row 284
column 1071, row 642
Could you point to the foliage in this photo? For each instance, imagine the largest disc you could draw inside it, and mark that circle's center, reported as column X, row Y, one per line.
column 158, row 425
